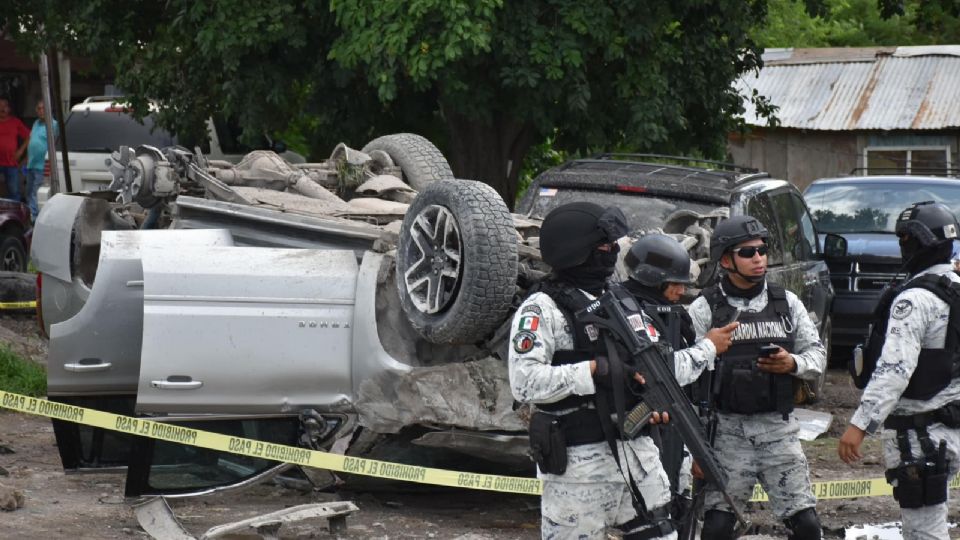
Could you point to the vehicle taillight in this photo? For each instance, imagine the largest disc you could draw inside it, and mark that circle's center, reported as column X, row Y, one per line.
column 43, row 330
column 631, row 189
column 116, row 109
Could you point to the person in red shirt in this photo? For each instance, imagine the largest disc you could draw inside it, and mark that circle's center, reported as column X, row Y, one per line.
column 14, row 137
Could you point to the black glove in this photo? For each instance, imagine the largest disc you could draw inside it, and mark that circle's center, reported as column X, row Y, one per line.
column 601, row 374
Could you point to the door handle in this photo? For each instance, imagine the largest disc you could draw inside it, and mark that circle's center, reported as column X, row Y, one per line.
column 80, row 367
column 176, row 384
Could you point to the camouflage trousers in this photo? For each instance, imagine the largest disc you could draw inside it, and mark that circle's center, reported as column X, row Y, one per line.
column 762, row 448
column 927, row 522
column 592, row 495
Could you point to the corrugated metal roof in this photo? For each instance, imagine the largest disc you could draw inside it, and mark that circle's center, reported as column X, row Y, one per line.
column 859, row 89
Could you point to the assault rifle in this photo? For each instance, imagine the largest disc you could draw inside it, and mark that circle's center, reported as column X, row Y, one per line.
column 661, row 392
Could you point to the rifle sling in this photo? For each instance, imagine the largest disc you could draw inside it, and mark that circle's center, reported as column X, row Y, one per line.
column 619, row 380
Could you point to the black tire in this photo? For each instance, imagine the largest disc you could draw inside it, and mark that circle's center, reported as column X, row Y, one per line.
column 13, row 256
column 463, row 292
column 419, row 160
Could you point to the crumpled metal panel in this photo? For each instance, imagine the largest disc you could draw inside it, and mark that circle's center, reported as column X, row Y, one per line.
column 885, row 93
column 473, row 395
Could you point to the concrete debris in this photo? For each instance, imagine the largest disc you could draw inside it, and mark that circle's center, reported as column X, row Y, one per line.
column 10, row 499
column 812, row 423
column 473, row 395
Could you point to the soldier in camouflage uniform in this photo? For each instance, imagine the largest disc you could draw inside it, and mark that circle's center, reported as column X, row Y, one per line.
column 756, row 435
column 557, row 364
column 659, row 272
column 914, row 391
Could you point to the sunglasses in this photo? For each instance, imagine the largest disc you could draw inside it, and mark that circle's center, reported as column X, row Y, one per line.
column 749, row 251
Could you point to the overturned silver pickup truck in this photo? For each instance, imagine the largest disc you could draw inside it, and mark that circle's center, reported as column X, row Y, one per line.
column 329, row 305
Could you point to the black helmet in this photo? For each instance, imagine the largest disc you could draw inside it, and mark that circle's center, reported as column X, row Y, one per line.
column 733, row 231
column 656, row 259
column 572, row 231
column 930, row 223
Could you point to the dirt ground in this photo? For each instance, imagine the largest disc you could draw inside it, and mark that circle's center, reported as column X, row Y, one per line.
column 92, row 505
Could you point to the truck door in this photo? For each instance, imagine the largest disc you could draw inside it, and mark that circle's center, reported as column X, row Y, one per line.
column 93, row 359
column 240, row 341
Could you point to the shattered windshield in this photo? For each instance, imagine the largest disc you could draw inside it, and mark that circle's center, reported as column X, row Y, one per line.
column 863, row 207
column 643, row 211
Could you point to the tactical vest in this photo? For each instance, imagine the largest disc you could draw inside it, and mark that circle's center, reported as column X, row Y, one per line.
column 743, row 388
column 668, row 322
column 935, row 367
column 586, row 342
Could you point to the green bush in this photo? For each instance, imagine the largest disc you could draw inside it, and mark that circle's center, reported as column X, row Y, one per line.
column 21, row 376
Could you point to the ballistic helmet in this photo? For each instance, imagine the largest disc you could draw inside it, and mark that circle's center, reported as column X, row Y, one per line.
column 657, row 259
column 572, row 231
column 733, row 231
column 930, row 223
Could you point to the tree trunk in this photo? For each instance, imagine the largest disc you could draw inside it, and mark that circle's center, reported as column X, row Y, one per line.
column 489, row 151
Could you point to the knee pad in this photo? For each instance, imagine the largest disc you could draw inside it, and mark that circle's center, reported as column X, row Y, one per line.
column 718, row 525
column 804, row 525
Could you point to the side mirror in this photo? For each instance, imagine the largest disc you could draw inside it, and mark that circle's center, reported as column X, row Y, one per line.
column 834, row 246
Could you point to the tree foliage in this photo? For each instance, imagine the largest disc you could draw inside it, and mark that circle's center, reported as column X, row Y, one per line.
column 486, row 79
column 859, row 23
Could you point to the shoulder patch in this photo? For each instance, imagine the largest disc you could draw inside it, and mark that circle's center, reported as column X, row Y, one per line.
column 531, row 308
column 902, row 309
column 529, row 322
column 523, row 342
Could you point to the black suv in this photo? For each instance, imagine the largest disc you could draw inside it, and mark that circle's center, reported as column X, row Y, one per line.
column 683, row 196
column 864, row 210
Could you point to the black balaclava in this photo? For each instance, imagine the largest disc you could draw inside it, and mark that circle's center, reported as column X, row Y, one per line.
column 733, row 290
column 917, row 258
column 592, row 274
column 570, row 236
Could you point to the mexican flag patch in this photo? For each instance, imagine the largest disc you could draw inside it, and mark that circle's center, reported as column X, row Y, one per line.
column 529, row 322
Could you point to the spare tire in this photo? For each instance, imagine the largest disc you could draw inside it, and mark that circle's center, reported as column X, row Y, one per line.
column 457, row 261
column 419, row 160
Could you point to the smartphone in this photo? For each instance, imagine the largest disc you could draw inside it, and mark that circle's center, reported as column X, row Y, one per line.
column 736, row 315
column 768, row 350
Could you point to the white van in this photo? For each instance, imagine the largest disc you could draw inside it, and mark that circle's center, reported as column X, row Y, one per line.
column 98, row 127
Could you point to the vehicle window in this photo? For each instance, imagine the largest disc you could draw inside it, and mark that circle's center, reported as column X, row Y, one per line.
column 161, row 467
column 86, row 447
column 790, row 226
column 642, row 212
column 865, row 207
column 101, row 131
column 760, row 208
column 809, row 233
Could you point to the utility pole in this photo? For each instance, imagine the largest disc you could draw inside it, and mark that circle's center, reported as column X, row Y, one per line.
column 55, row 185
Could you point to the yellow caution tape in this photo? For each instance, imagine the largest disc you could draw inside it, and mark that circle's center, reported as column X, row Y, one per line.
column 144, row 427
column 848, row 489
column 259, row 449
column 27, row 304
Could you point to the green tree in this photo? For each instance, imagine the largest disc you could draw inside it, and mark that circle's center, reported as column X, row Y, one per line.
column 487, row 79
column 859, row 23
